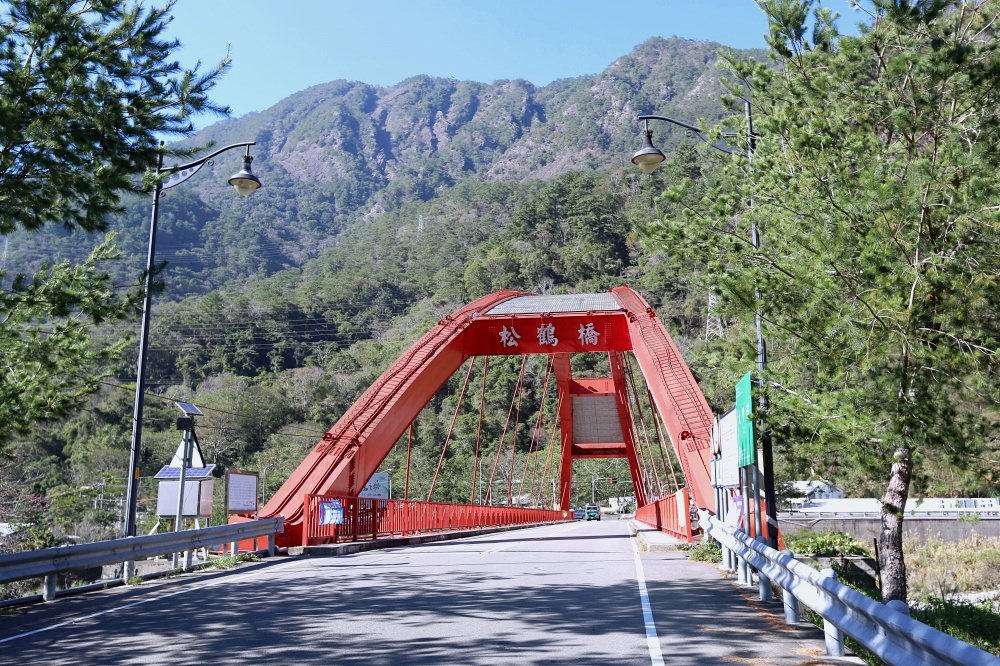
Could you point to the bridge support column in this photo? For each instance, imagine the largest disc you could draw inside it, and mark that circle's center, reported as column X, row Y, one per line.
column 561, row 370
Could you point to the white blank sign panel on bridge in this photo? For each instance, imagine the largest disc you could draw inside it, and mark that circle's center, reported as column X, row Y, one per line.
column 729, row 470
column 197, row 498
column 377, row 486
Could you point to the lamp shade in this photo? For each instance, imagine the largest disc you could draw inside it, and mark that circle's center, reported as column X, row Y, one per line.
column 243, row 180
column 649, row 156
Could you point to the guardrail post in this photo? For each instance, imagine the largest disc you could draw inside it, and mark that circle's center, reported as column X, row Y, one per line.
column 233, row 550
column 128, row 571
column 187, row 560
column 49, row 587
column 763, row 582
column 746, row 573
column 833, row 636
column 270, row 545
column 789, row 600
column 764, row 586
column 791, row 604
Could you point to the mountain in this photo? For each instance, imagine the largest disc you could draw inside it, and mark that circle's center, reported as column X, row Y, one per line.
column 344, row 153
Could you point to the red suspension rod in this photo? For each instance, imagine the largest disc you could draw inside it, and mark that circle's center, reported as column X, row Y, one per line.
column 451, row 429
column 479, row 430
column 409, row 450
column 503, row 435
column 534, row 434
column 630, row 382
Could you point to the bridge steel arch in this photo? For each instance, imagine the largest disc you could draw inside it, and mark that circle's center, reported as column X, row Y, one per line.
column 515, row 323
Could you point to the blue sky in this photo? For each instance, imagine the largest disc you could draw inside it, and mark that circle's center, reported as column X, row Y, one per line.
column 279, row 48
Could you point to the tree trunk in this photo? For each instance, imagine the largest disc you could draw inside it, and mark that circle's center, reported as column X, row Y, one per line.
column 891, row 537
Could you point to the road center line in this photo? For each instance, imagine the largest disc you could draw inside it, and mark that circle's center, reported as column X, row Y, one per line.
column 652, row 640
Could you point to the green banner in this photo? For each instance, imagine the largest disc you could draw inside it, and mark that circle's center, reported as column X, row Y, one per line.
column 744, row 421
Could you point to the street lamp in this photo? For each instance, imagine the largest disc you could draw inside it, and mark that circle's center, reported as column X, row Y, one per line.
column 245, row 184
column 647, row 158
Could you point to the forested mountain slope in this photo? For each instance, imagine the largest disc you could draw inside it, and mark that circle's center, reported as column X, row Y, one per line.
column 344, row 153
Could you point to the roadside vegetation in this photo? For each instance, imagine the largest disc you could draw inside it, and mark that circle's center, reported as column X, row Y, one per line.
column 955, row 587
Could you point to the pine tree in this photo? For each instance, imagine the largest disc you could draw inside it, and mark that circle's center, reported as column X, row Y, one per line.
column 87, row 89
column 874, row 182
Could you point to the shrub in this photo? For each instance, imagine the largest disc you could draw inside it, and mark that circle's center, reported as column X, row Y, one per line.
column 827, row 544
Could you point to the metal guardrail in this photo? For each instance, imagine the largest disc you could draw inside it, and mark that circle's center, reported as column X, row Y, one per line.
column 950, row 514
column 884, row 629
column 49, row 562
column 670, row 514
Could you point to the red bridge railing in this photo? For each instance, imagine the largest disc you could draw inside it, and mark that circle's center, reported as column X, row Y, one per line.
column 331, row 519
column 670, row 514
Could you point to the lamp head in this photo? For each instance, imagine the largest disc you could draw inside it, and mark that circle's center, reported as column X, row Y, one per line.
column 649, row 156
column 243, row 180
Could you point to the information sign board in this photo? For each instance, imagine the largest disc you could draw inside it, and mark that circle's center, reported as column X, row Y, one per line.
column 241, row 492
column 377, row 487
column 331, row 512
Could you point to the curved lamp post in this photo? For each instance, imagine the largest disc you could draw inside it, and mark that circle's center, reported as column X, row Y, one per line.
column 245, row 184
column 647, row 158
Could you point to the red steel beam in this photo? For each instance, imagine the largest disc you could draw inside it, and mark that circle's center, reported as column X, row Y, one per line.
column 351, row 451
column 675, row 392
column 625, row 417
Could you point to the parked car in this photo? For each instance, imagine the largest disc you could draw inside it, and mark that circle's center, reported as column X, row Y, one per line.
column 593, row 512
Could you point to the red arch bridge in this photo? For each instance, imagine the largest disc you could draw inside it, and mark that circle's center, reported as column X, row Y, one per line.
column 651, row 423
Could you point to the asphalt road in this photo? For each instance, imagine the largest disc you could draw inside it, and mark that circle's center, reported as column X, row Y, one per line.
column 563, row 594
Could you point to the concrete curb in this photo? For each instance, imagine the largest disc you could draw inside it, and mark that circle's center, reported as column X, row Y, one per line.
column 651, row 539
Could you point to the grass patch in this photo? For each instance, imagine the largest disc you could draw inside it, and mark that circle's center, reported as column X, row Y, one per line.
column 939, row 569
column 231, row 561
column 935, row 570
column 708, row 550
column 977, row 624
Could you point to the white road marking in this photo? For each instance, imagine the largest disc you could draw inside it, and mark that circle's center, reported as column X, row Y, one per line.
column 652, row 640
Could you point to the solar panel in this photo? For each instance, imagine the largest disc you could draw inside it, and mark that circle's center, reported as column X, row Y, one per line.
column 192, row 473
column 189, row 409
